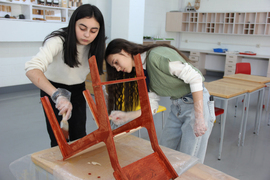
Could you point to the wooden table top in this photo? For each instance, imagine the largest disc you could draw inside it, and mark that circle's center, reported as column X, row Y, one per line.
column 224, row 90
column 129, row 149
column 252, row 78
column 247, row 85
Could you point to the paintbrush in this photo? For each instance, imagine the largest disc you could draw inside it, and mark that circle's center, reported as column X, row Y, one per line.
column 64, row 126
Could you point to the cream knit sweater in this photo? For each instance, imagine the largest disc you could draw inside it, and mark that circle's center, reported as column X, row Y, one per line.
column 50, row 60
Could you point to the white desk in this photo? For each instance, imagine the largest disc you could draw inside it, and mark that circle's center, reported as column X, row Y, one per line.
column 203, row 53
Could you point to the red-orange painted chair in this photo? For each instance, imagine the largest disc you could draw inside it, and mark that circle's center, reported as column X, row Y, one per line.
column 154, row 166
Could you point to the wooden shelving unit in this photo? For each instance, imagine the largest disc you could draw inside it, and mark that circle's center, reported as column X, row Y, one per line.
column 234, row 23
column 28, row 8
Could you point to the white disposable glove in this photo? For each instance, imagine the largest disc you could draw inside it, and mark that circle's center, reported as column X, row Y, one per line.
column 61, row 98
column 120, row 117
column 197, row 119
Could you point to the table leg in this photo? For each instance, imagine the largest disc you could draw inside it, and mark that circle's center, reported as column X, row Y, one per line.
column 257, row 112
column 163, row 118
column 246, row 116
column 268, row 97
column 258, row 120
column 223, row 122
column 242, row 120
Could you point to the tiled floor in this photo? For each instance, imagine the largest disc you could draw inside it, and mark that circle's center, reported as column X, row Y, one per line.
column 22, row 132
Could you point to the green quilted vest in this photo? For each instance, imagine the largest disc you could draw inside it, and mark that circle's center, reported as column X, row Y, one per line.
column 161, row 81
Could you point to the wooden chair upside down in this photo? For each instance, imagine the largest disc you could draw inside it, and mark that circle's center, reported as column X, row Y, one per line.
column 154, row 166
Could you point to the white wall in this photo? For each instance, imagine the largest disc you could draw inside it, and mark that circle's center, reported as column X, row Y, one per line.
column 127, row 20
column 155, row 18
column 136, row 20
column 12, row 59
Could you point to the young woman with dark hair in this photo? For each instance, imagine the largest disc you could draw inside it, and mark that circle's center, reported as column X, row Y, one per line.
column 60, row 67
column 169, row 72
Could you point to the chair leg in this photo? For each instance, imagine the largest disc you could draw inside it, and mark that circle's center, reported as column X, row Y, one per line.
column 236, row 105
column 162, row 119
column 267, row 104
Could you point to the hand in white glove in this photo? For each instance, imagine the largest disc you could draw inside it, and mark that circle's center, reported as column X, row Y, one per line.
column 119, row 117
column 64, row 106
column 199, row 127
column 61, row 98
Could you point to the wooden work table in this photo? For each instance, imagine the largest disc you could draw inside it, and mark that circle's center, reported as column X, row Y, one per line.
column 223, row 90
column 265, row 81
column 232, row 87
column 129, row 149
column 231, row 83
column 251, row 78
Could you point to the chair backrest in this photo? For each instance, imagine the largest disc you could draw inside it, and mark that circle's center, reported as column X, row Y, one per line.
column 243, row 68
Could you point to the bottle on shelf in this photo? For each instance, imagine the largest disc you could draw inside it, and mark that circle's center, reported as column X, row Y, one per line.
column 41, row 2
column 48, row 2
column 56, row 3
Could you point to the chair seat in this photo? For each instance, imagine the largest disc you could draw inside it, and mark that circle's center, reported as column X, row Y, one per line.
column 218, row 111
column 161, row 108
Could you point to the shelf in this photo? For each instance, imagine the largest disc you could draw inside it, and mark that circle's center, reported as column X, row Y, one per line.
column 48, row 19
column 239, row 17
column 239, row 29
column 234, row 23
column 250, row 17
column 30, row 10
column 219, row 28
column 211, row 17
column 220, row 18
column 267, row 32
column 202, row 17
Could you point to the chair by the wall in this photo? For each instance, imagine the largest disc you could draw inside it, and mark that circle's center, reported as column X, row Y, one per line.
column 218, row 111
column 241, row 68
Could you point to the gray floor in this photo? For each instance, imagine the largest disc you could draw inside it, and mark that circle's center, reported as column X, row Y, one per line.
column 22, row 132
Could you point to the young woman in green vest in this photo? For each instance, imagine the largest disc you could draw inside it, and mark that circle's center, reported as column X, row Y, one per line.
column 169, row 73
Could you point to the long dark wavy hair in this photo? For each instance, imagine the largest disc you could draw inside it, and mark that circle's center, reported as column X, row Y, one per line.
column 124, row 96
column 68, row 36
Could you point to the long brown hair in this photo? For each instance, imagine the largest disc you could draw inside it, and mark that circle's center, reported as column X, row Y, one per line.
column 124, row 96
column 68, row 36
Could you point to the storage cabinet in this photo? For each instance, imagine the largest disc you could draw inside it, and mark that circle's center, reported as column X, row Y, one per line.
column 171, row 18
column 230, row 64
column 235, row 23
column 194, row 58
